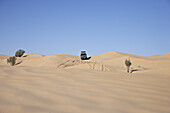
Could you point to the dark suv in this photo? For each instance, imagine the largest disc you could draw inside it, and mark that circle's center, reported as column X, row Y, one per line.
column 83, row 56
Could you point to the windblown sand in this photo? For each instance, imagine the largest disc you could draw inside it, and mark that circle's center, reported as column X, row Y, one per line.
column 65, row 84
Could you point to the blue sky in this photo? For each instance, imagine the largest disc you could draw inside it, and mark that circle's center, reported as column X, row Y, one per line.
column 140, row 27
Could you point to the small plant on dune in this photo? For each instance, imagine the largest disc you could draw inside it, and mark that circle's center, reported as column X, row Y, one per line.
column 12, row 60
column 19, row 53
column 128, row 64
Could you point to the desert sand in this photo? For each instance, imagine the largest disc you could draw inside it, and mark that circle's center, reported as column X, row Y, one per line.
column 64, row 84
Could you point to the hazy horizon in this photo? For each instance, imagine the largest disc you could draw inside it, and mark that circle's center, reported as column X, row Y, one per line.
column 62, row 26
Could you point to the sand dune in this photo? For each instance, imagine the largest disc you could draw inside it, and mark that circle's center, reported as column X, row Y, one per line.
column 3, row 57
column 64, row 84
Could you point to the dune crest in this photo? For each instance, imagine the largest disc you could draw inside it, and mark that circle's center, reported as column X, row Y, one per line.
column 110, row 61
column 3, row 57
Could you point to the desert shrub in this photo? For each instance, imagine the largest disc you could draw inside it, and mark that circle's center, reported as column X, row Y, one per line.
column 12, row 60
column 19, row 53
column 128, row 64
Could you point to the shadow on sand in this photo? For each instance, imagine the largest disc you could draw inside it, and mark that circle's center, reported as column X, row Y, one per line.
column 18, row 63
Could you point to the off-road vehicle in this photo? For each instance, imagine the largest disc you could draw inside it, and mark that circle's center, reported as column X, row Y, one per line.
column 83, row 56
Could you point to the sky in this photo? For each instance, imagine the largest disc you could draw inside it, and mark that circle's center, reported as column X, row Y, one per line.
column 140, row 27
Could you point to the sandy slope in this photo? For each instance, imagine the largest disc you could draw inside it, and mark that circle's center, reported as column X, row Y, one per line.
column 65, row 84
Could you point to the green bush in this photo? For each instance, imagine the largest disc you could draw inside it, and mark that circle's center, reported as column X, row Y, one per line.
column 128, row 64
column 12, row 60
column 19, row 53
